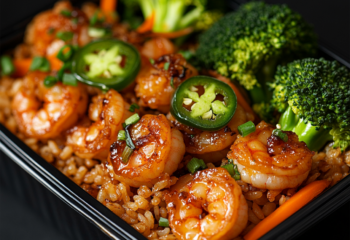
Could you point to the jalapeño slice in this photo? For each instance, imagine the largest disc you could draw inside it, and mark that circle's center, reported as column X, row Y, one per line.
column 204, row 103
column 107, row 64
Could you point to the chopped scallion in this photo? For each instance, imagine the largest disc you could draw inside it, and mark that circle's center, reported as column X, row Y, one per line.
column 75, row 21
column 66, row 65
column 246, row 128
column 69, row 79
column 280, row 134
column 172, row 82
column 128, row 138
column 126, row 154
column 232, row 170
column 40, row 63
column 50, row 81
column 196, row 164
column 151, row 61
column 65, row 53
column 166, row 66
column 121, row 135
column 66, row 13
column 163, row 222
column 65, row 36
column 133, row 107
column 50, row 31
column 133, row 119
column 7, row 67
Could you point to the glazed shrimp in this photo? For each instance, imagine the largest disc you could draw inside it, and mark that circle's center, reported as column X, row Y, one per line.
column 211, row 146
column 45, row 26
column 108, row 112
column 157, row 47
column 154, row 83
column 43, row 112
column 207, row 205
column 159, row 149
column 267, row 162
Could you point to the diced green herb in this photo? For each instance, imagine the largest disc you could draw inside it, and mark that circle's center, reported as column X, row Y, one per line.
column 50, row 31
column 172, row 82
column 41, row 64
column 69, row 79
column 126, row 154
column 65, row 36
column 50, row 81
column 166, row 66
column 196, row 164
column 133, row 107
column 66, row 13
column 121, row 135
column 75, row 21
column 151, row 61
column 246, row 128
column 7, row 67
column 133, row 119
column 163, row 222
column 279, row 133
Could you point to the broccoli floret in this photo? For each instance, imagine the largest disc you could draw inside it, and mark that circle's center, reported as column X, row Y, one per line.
column 313, row 96
column 247, row 45
column 206, row 20
column 172, row 15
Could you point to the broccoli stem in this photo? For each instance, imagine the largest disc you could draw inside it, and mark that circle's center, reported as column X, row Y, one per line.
column 147, row 7
column 314, row 139
column 258, row 95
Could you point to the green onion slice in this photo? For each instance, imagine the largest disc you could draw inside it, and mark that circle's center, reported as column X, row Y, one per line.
column 7, row 66
column 232, row 170
column 41, row 64
column 151, row 61
column 66, row 13
column 65, row 36
column 163, row 222
column 121, row 135
column 126, row 154
column 133, row 107
column 133, row 119
column 196, row 164
column 69, row 79
column 128, row 138
column 65, row 53
column 50, row 81
column 246, row 128
column 279, row 133
column 166, row 66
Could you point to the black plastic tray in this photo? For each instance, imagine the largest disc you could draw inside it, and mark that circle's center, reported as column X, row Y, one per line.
column 77, row 214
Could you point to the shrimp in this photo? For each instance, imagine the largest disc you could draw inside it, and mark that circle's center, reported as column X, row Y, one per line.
column 267, row 162
column 211, row 146
column 157, row 47
column 207, row 205
column 43, row 112
column 159, row 149
column 45, row 26
column 108, row 111
column 156, row 85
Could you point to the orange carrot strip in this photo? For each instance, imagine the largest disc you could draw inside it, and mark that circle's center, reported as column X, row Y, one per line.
column 55, row 63
column 147, row 25
column 240, row 99
column 21, row 66
column 108, row 6
column 296, row 202
column 176, row 34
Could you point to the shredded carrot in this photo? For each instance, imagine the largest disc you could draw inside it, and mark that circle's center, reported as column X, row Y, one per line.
column 240, row 99
column 21, row 66
column 108, row 6
column 296, row 202
column 147, row 25
column 176, row 34
column 55, row 63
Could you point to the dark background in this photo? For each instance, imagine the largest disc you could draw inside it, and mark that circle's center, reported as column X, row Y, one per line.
column 331, row 20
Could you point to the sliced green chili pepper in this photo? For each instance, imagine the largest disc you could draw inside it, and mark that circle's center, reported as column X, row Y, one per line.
column 107, row 64
column 208, row 111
